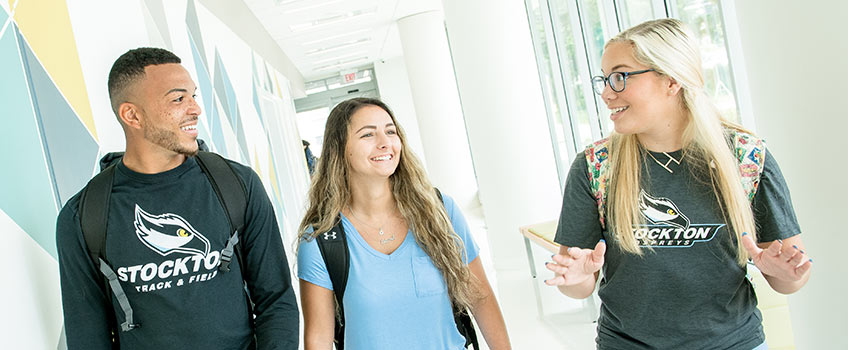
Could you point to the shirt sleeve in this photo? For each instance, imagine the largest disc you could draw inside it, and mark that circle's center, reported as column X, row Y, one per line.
column 461, row 228
column 773, row 211
column 85, row 305
column 267, row 270
column 310, row 264
column 579, row 222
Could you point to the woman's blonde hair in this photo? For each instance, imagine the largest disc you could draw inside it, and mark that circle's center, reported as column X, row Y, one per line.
column 669, row 48
column 416, row 199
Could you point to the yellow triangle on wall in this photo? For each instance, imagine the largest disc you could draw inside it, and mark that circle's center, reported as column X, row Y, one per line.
column 46, row 26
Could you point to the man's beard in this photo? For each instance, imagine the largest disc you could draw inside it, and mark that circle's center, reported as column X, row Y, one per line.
column 169, row 140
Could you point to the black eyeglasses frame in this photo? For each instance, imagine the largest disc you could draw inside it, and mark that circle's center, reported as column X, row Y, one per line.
column 624, row 80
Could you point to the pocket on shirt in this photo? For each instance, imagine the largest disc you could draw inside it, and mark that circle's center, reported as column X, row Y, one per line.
column 428, row 279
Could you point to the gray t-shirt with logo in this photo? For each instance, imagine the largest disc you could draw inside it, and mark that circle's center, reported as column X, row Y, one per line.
column 688, row 292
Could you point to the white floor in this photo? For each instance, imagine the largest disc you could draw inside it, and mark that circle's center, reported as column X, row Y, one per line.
column 563, row 323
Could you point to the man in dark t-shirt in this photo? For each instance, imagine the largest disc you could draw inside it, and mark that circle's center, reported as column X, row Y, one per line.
column 166, row 234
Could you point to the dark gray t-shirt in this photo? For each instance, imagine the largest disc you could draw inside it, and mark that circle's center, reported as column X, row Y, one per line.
column 689, row 292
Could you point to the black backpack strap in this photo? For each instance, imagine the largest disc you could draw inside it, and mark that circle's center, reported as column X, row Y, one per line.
column 94, row 216
column 460, row 315
column 94, row 212
column 333, row 247
column 231, row 192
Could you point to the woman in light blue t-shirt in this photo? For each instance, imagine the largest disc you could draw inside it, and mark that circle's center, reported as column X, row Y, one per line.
column 411, row 254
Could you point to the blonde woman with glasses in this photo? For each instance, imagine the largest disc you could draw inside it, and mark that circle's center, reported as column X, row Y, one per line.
column 671, row 207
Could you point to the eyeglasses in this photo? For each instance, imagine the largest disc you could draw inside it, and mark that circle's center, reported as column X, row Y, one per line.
column 616, row 80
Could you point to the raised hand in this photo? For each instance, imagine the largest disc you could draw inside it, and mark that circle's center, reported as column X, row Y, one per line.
column 575, row 265
column 788, row 264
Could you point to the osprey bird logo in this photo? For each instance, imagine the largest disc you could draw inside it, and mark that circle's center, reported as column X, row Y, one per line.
column 169, row 233
column 662, row 211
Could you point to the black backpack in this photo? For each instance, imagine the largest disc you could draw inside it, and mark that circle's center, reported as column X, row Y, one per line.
column 334, row 250
column 94, row 214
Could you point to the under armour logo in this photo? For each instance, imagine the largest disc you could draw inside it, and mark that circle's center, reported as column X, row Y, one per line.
column 328, row 236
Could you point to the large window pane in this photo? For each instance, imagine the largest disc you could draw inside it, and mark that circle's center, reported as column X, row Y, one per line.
column 552, row 88
column 596, row 32
column 704, row 18
column 575, row 73
column 633, row 12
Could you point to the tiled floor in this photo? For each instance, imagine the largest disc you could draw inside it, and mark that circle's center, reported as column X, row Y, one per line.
column 564, row 323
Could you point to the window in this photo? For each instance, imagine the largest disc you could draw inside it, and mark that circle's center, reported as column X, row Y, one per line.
column 569, row 37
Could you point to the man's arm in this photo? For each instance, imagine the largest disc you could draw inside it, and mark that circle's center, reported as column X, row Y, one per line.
column 267, row 272
column 85, row 305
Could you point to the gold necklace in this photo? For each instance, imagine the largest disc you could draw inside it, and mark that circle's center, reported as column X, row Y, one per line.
column 670, row 160
column 383, row 241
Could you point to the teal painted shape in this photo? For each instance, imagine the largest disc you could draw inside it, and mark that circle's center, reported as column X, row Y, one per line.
column 194, row 28
column 269, row 83
column 202, row 76
column 157, row 14
column 227, row 95
column 26, row 189
column 217, row 131
column 71, row 150
column 256, row 103
column 240, row 135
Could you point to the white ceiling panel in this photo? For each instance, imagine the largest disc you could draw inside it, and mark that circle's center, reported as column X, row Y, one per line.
column 325, row 37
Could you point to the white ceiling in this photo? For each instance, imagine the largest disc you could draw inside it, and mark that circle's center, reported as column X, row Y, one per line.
column 326, row 37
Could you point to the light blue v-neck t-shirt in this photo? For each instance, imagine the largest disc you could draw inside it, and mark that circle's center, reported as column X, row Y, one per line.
column 395, row 301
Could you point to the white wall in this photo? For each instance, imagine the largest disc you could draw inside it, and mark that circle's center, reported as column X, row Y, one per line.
column 238, row 17
column 505, row 115
column 393, row 83
column 795, row 53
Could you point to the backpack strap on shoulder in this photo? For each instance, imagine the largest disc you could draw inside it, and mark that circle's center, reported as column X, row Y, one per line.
column 597, row 156
column 750, row 153
column 460, row 315
column 94, row 212
column 94, row 217
column 231, row 192
column 334, row 251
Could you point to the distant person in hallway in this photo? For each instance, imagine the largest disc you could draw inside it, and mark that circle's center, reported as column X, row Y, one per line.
column 411, row 255
column 672, row 205
column 311, row 160
column 171, row 272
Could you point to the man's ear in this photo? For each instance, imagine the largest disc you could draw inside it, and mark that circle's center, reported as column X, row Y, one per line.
column 129, row 115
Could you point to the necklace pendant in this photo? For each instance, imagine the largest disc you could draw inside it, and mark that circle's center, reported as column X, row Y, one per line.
column 381, row 231
column 387, row 240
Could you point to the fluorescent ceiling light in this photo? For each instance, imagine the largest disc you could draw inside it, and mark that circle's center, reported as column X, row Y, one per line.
column 339, row 64
column 332, row 37
column 310, row 7
column 288, row 2
column 339, row 58
column 334, row 19
column 344, row 45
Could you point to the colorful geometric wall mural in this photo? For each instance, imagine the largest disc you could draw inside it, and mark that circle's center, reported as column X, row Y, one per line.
column 50, row 144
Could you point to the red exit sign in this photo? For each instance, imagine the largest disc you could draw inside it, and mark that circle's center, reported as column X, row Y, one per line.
column 349, row 77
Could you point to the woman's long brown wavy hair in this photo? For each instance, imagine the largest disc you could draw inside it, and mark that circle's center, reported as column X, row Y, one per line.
column 415, row 196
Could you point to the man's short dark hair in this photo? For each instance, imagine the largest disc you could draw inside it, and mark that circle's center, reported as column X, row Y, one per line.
column 130, row 67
